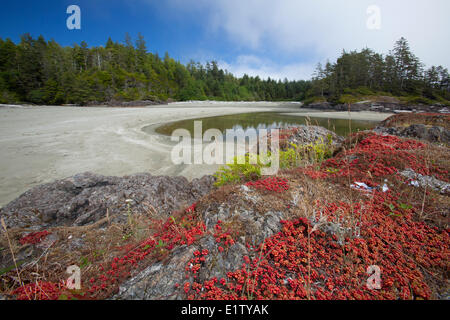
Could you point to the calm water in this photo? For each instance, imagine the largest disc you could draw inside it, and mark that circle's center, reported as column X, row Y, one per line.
column 265, row 120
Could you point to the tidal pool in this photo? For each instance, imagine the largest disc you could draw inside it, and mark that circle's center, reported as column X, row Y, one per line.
column 266, row 120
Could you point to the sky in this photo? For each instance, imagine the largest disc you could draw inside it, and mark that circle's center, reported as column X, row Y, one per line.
column 269, row 38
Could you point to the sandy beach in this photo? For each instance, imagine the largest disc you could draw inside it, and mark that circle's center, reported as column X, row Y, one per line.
column 40, row 144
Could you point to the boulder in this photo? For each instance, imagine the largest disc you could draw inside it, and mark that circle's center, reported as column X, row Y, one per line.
column 418, row 131
column 84, row 198
column 159, row 280
column 311, row 134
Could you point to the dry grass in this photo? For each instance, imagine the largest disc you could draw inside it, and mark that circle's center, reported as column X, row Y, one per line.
column 85, row 246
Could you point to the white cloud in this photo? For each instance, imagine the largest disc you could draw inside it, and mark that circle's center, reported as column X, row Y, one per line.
column 265, row 68
column 322, row 28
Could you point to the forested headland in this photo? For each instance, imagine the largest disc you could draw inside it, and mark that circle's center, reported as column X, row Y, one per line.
column 366, row 73
column 43, row 72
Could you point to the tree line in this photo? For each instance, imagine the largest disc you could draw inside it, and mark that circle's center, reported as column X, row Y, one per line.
column 399, row 73
column 43, row 72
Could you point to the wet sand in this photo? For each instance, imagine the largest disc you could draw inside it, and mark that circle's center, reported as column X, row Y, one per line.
column 44, row 143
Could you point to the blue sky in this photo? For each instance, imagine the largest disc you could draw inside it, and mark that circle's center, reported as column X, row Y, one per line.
column 276, row 38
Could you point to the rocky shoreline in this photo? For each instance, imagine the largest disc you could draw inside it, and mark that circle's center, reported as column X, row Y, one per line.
column 127, row 104
column 85, row 198
column 205, row 236
column 391, row 107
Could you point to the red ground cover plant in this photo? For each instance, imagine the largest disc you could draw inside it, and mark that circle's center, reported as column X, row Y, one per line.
column 376, row 157
column 34, row 237
column 384, row 232
column 401, row 247
column 39, row 291
column 172, row 233
column 303, row 260
column 270, row 184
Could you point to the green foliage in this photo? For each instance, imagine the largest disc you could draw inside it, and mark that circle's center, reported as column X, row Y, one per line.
column 11, row 267
column 348, row 98
column 312, row 153
column 249, row 167
column 43, row 72
column 355, row 75
column 417, row 100
column 161, row 244
column 320, row 150
column 84, row 262
column 290, row 158
column 241, row 169
column 405, row 206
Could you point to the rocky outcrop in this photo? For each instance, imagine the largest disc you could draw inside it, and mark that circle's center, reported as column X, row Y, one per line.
column 137, row 103
column 311, row 134
column 418, row 180
column 159, row 281
column 379, row 107
column 84, row 199
column 127, row 104
column 418, row 131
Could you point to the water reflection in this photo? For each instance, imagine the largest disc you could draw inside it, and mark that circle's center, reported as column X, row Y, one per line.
column 266, row 120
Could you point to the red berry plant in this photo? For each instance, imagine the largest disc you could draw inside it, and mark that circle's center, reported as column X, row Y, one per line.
column 34, row 237
column 270, row 184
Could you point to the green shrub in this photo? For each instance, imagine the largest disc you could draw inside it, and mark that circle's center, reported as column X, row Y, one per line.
column 365, row 91
column 308, row 154
column 289, row 158
column 418, row 100
column 314, row 99
column 348, row 98
column 240, row 170
column 295, row 156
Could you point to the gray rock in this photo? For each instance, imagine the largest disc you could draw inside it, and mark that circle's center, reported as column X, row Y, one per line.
column 84, row 198
column 418, row 131
column 377, row 106
column 429, row 181
column 311, row 134
column 159, row 280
